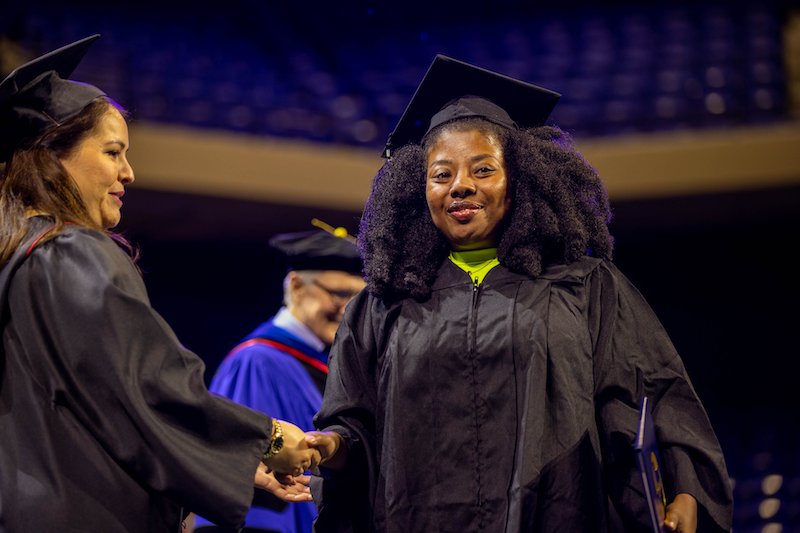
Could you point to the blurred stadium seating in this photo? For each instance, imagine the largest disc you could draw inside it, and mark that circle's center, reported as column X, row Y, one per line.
column 621, row 69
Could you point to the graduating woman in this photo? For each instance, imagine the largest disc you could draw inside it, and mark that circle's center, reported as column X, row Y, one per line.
column 105, row 421
column 490, row 377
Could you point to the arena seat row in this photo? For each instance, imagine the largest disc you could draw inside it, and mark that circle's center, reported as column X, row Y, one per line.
column 621, row 70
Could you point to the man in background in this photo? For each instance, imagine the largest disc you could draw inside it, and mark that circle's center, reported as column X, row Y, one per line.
column 280, row 367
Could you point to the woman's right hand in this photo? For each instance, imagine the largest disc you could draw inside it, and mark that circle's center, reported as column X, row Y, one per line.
column 332, row 448
column 296, row 456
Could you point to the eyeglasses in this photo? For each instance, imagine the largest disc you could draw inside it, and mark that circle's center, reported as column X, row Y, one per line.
column 338, row 297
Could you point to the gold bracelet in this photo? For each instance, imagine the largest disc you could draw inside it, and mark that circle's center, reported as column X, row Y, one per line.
column 276, row 443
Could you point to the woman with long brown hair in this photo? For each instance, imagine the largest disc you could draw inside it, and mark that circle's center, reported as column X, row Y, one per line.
column 106, row 422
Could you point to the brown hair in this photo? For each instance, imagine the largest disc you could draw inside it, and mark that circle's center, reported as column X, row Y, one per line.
column 35, row 180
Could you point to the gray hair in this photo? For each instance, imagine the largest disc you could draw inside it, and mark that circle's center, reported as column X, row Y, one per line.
column 306, row 276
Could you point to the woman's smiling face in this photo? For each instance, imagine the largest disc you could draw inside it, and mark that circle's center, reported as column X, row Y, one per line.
column 101, row 170
column 467, row 189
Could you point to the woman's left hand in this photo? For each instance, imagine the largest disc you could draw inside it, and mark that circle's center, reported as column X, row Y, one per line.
column 682, row 514
column 287, row 488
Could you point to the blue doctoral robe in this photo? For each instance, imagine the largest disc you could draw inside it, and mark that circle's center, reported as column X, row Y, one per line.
column 272, row 381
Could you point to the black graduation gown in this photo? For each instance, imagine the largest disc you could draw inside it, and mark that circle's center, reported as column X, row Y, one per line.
column 105, row 421
column 510, row 407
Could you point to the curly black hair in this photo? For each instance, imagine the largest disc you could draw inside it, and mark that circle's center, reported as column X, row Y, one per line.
column 559, row 212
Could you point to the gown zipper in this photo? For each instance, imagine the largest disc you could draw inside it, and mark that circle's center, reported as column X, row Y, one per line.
column 472, row 342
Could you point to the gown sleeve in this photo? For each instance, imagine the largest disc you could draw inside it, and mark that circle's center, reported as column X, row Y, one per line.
column 345, row 499
column 107, row 360
column 634, row 357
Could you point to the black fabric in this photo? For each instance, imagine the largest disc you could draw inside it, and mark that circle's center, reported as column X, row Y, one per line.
column 448, row 79
column 472, row 106
column 37, row 96
column 317, row 376
column 510, row 407
column 106, row 422
column 317, row 250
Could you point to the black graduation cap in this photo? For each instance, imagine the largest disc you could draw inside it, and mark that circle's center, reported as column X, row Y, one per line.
column 318, row 250
column 453, row 89
column 37, row 95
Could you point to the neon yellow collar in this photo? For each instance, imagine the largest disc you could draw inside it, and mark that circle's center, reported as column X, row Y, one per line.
column 476, row 263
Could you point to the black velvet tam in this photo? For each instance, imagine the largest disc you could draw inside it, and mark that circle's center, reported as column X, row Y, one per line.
column 318, row 250
column 37, row 96
column 453, row 89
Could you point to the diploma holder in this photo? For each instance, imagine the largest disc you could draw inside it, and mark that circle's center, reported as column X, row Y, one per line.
column 649, row 461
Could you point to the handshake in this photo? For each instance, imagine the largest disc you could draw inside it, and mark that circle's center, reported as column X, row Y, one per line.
column 281, row 471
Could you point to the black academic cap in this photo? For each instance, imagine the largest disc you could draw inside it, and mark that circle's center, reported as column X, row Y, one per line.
column 38, row 95
column 318, row 250
column 453, row 89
